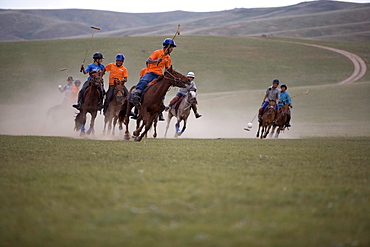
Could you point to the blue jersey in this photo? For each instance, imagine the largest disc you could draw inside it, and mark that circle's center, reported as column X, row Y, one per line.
column 284, row 99
column 92, row 67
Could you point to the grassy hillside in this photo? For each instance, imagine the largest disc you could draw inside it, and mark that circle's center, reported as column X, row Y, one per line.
column 329, row 20
column 237, row 192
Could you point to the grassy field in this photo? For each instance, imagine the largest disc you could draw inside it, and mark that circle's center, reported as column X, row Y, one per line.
column 207, row 192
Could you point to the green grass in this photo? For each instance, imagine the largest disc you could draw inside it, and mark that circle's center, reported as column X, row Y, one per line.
column 217, row 192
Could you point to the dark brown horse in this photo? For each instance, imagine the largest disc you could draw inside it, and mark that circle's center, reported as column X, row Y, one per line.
column 89, row 104
column 281, row 121
column 114, row 108
column 268, row 118
column 152, row 100
column 181, row 113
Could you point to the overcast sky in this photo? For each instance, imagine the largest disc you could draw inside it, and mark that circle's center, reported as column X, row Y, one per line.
column 145, row 6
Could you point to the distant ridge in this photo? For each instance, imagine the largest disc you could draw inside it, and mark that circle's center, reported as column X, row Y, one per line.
column 327, row 20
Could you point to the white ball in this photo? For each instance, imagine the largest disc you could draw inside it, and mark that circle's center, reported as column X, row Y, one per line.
column 60, row 86
column 249, row 125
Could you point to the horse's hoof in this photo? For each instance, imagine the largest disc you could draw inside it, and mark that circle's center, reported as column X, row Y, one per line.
column 137, row 139
column 126, row 138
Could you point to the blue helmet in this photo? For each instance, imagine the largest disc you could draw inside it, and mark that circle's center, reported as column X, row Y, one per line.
column 120, row 57
column 98, row 55
column 168, row 42
column 276, row 81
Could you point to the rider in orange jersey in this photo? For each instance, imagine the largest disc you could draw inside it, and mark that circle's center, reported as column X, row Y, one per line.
column 118, row 73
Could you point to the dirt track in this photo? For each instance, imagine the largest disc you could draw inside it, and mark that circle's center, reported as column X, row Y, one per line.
column 359, row 65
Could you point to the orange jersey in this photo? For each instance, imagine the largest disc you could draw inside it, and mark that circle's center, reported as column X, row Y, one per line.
column 74, row 94
column 116, row 72
column 166, row 62
column 143, row 72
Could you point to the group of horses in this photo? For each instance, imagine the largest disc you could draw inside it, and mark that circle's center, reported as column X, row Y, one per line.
column 268, row 117
column 120, row 107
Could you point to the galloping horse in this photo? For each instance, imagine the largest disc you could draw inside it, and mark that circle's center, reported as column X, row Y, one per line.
column 89, row 104
column 181, row 113
column 152, row 100
column 281, row 121
column 267, row 119
column 114, row 107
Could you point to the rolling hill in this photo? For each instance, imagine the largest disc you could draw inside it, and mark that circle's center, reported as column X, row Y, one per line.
column 325, row 20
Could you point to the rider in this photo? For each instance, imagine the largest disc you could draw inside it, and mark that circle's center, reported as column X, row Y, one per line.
column 157, row 61
column 74, row 92
column 66, row 89
column 284, row 100
column 184, row 91
column 92, row 69
column 118, row 73
column 272, row 94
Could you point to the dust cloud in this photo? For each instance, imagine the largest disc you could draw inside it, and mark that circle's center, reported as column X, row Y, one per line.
column 42, row 113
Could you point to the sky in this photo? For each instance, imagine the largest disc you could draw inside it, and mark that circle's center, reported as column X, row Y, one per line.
column 148, row 6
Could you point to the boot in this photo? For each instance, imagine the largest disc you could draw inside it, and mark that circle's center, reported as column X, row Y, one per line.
column 160, row 117
column 136, row 97
column 172, row 102
column 287, row 124
column 78, row 105
column 195, row 110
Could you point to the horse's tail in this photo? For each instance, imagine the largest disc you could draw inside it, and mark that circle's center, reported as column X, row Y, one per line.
column 78, row 122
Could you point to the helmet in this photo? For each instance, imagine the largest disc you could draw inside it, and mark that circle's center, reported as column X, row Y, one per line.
column 70, row 78
column 284, row 86
column 77, row 81
column 168, row 42
column 276, row 81
column 98, row 55
column 120, row 57
column 190, row 74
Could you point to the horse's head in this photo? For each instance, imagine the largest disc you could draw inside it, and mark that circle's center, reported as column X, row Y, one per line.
column 176, row 78
column 119, row 93
column 192, row 97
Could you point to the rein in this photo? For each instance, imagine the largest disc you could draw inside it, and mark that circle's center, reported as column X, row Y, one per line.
column 173, row 77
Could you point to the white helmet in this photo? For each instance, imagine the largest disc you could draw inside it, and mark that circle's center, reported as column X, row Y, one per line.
column 190, row 74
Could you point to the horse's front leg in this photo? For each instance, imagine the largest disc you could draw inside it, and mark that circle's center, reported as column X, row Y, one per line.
column 169, row 117
column 267, row 131
column 155, row 122
column 114, row 124
column 147, row 123
column 83, row 122
column 258, row 131
column 177, row 127
column 92, row 122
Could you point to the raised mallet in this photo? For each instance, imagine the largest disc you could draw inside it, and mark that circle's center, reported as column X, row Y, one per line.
column 88, row 46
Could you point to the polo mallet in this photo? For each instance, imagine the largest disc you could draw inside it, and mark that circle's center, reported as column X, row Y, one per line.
column 306, row 93
column 88, row 46
column 64, row 69
column 250, row 125
column 173, row 38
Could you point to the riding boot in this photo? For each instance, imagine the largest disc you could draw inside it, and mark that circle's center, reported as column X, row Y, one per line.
column 172, row 102
column 136, row 97
column 195, row 110
column 287, row 124
column 160, row 114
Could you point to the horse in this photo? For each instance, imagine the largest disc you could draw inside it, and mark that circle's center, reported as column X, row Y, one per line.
column 267, row 119
column 181, row 113
column 114, row 108
column 152, row 100
column 281, row 121
column 89, row 104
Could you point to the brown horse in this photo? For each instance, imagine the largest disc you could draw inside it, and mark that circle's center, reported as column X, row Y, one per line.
column 268, row 118
column 114, row 108
column 181, row 113
column 281, row 121
column 152, row 100
column 89, row 104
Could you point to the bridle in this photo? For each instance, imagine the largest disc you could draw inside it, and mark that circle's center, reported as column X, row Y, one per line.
column 173, row 77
